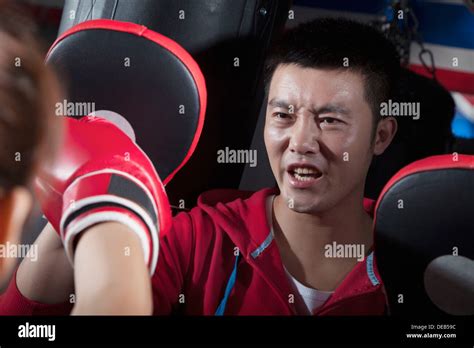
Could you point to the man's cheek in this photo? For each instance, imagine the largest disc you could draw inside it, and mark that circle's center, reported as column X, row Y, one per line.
column 344, row 168
column 274, row 156
column 346, row 148
column 274, row 141
column 352, row 167
column 275, row 135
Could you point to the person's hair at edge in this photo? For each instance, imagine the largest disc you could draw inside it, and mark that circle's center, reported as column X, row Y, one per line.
column 28, row 93
column 29, row 132
column 327, row 43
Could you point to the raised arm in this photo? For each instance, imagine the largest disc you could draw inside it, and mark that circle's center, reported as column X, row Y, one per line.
column 106, row 201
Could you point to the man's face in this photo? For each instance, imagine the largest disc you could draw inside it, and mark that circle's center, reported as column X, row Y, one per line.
column 318, row 136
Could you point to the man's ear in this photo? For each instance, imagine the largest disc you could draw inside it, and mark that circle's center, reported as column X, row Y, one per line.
column 14, row 210
column 386, row 129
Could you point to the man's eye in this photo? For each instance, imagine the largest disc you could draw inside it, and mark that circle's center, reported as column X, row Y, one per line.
column 328, row 120
column 281, row 115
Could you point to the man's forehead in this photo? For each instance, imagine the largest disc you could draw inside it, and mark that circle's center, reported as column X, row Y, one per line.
column 292, row 85
column 288, row 73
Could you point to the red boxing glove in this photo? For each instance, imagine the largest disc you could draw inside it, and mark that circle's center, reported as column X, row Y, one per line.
column 101, row 175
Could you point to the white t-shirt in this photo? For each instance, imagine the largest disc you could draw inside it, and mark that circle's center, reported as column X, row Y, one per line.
column 307, row 299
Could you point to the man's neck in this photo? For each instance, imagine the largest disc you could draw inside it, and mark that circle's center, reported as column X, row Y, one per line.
column 303, row 240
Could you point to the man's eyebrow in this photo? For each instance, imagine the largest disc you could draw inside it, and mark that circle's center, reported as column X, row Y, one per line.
column 279, row 103
column 331, row 108
column 325, row 109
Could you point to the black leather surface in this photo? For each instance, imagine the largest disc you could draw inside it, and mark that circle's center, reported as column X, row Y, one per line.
column 148, row 93
column 437, row 216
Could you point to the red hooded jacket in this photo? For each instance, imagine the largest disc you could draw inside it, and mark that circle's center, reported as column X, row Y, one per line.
column 220, row 259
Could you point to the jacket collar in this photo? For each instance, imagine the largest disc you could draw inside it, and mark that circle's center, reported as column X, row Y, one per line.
column 242, row 215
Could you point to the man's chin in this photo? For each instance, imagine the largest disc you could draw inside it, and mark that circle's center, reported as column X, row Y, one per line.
column 305, row 202
column 308, row 208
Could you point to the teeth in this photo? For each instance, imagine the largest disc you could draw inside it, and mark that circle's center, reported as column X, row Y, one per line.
column 303, row 178
column 305, row 171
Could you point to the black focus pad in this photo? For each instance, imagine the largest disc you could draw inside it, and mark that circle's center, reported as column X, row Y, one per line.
column 424, row 242
column 139, row 79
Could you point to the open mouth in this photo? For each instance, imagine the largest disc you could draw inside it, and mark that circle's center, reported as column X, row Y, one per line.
column 303, row 173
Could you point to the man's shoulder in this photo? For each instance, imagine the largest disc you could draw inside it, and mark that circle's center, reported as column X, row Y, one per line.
column 229, row 196
column 234, row 213
column 226, row 204
column 369, row 206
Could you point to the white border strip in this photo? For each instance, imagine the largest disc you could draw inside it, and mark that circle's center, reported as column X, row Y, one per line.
column 443, row 57
column 463, row 105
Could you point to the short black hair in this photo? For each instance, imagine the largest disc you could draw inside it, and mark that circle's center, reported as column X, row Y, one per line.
column 327, row 43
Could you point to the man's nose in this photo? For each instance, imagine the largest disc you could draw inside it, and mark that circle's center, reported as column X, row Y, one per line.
column 304, row 137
